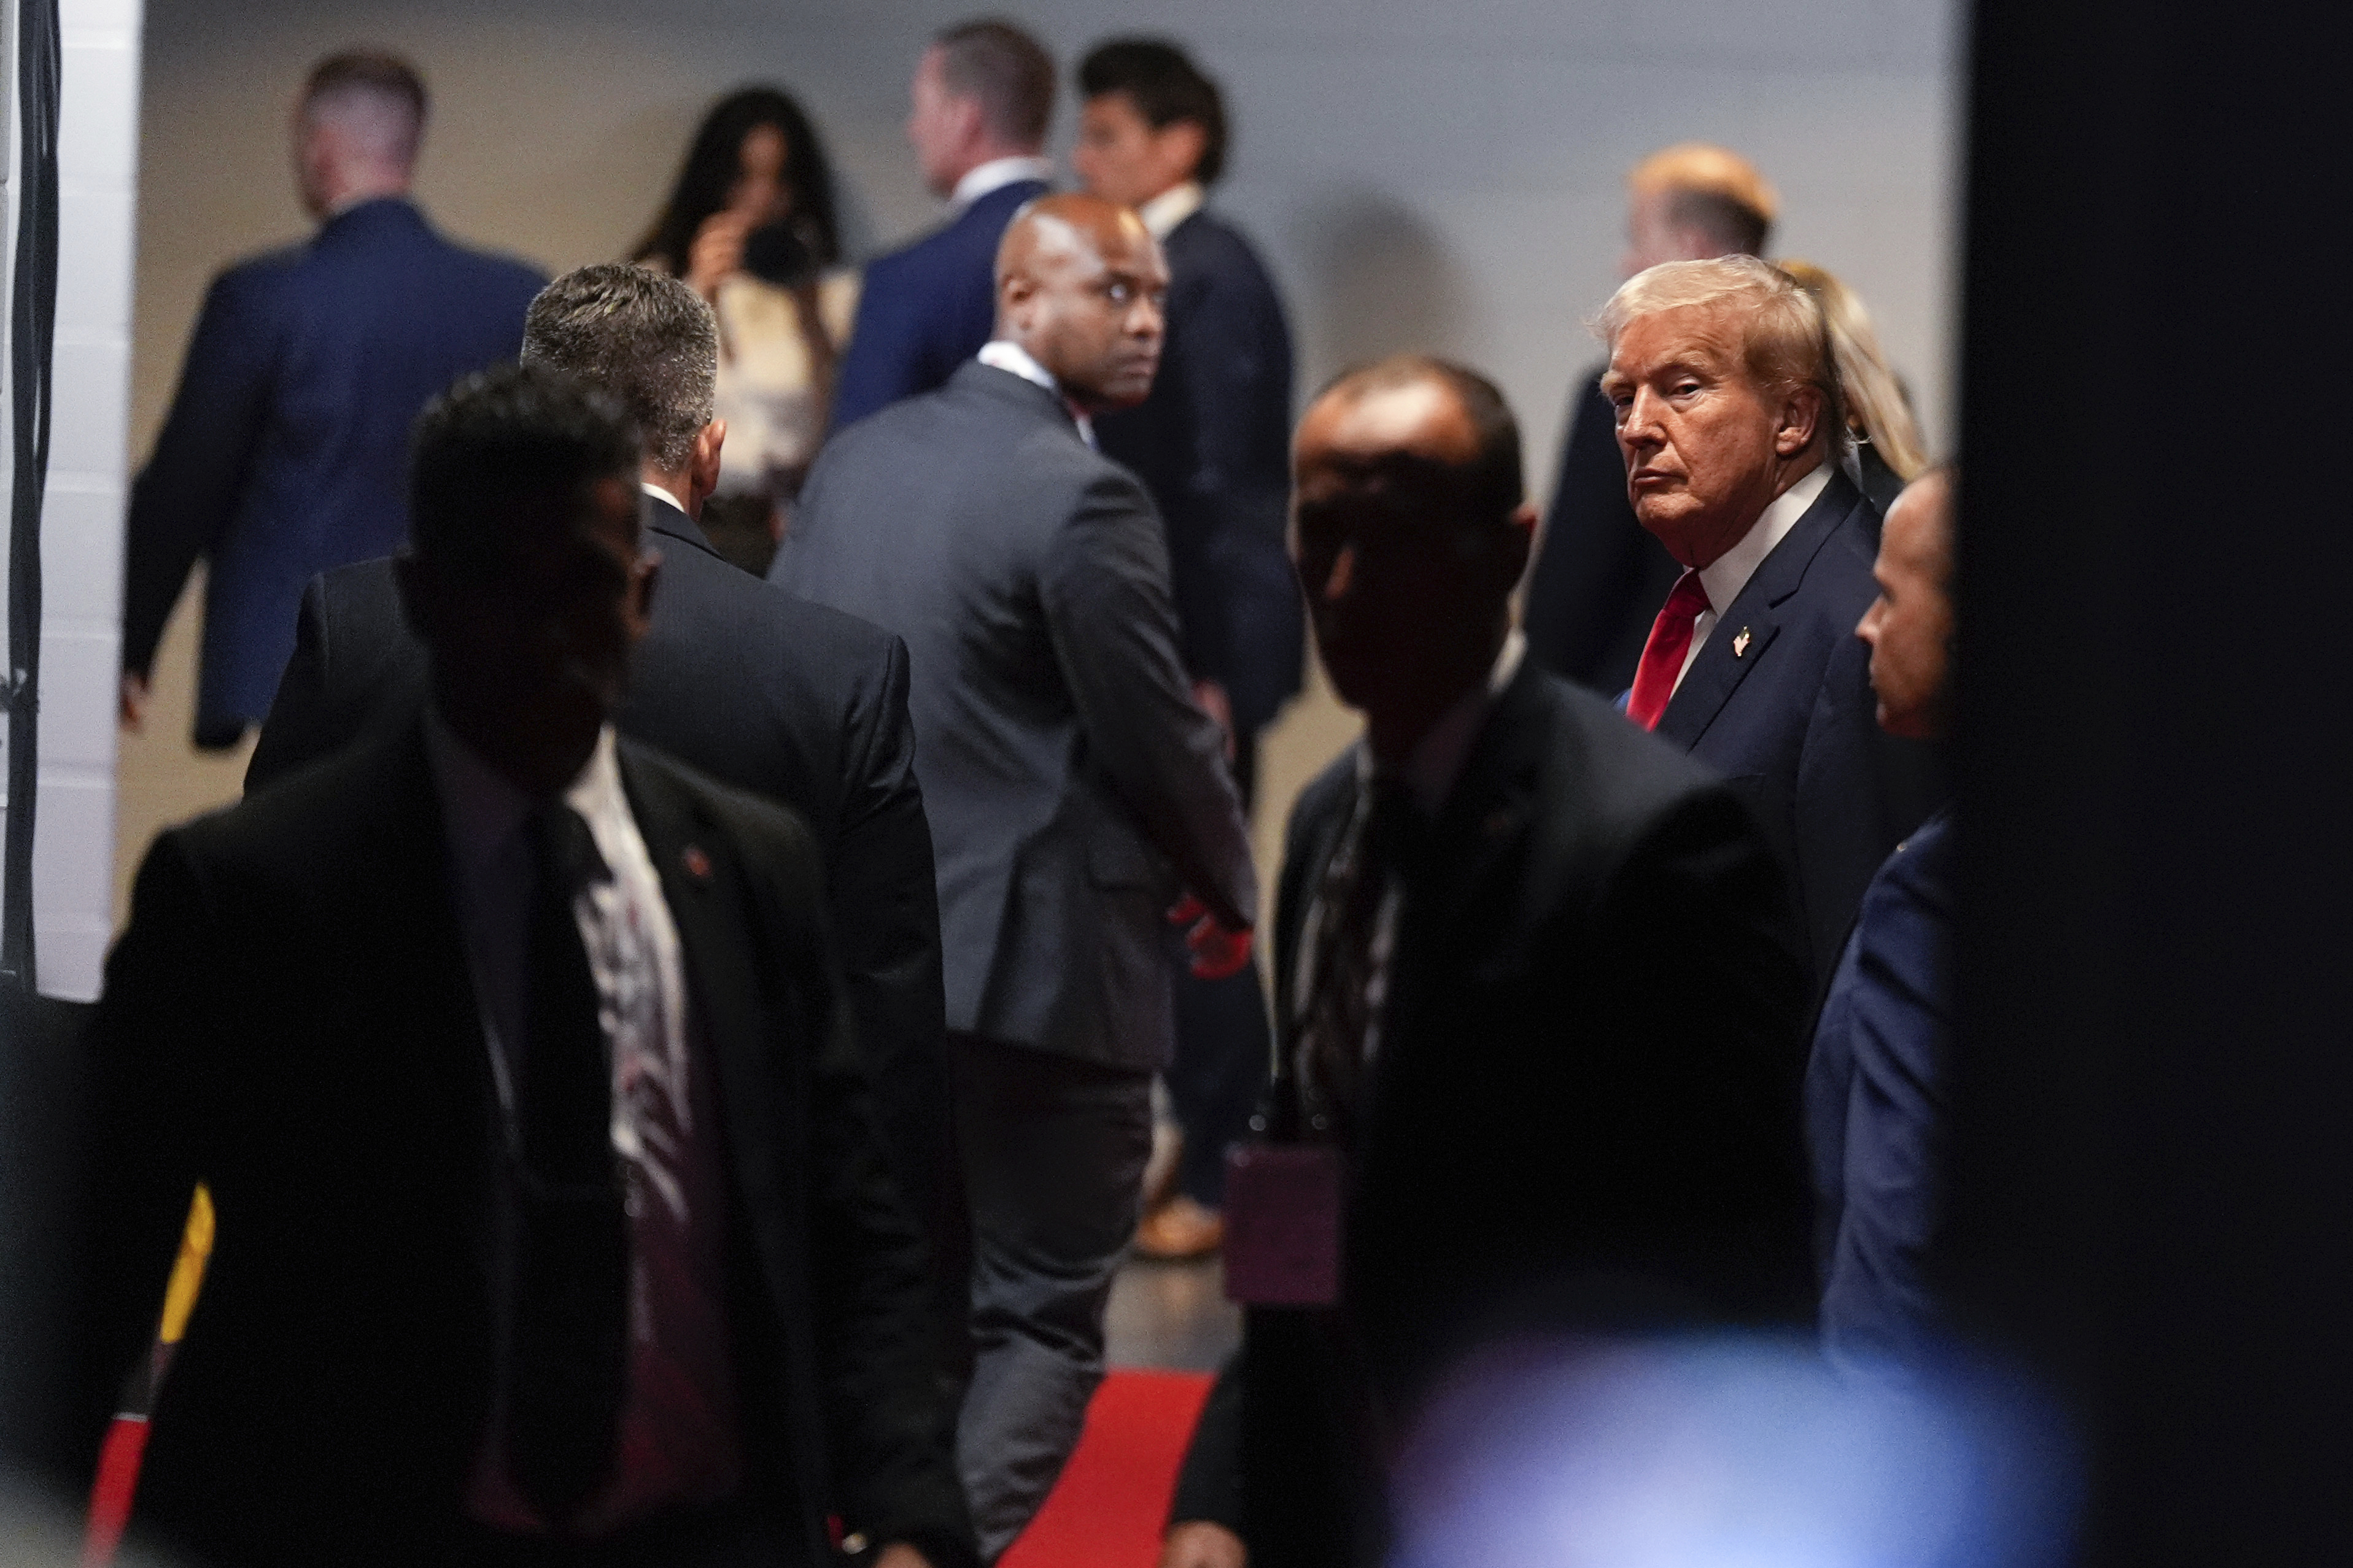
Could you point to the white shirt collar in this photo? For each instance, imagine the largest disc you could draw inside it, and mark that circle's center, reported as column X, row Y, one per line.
column 1729, row 572
column 1007, row 355
column 995, row 174
column 659, row 493
column 1431, row 768
column 1172, row 207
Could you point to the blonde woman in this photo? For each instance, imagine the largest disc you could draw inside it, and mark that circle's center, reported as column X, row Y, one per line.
column 1887, row 439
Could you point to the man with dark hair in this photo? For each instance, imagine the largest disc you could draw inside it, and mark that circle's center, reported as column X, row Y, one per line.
column 1538, row 994
column 554, row 1228
column 983, row 100
column 1210, row 445
column 1075, row 793
column 761, row 690
column 282, row 453
column 1598, row 578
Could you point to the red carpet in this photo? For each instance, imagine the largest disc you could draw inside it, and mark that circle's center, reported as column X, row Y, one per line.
column 1107, row 1509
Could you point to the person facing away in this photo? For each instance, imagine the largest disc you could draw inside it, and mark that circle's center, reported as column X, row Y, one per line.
column 983, row 100
column 1538, row 993
column 553, row 1224
column 762, row 690
column 1887, row 444
column 1878, row 1092
column 283, row 455
column 1598, row 578
column 1211, row 444
column 750, row 226
column 1075, row 793
column 1730, row 417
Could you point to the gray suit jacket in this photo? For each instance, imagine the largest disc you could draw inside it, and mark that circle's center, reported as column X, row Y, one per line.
column 1074, row 788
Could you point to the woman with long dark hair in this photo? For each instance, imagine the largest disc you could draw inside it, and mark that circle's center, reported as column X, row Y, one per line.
column 750, row 226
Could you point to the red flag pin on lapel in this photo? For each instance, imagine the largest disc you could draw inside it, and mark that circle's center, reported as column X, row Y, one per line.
column 1740, row 644
column 698, row 864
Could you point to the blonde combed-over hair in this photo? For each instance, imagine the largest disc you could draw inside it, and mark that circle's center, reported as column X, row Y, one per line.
column 1785, row 343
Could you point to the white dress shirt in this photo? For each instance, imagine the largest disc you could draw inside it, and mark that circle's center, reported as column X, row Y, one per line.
column 995, row 174
column 1729, row 572
column 1172, row 207
column 1011, row 356
column 677, row 1438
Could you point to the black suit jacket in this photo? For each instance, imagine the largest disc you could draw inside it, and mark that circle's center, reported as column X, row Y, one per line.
column 1585, row 1102
column 1073, row 787
column 764, row 691
column 288, row 1019
column 1213, row 446
column 1780, row 703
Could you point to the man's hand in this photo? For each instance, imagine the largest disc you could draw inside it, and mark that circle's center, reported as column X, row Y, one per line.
column 132, row 704
column 1216, row 952
column 899, row 1554
column 717, row 253
column 1198, row 1544
column 1211, row 698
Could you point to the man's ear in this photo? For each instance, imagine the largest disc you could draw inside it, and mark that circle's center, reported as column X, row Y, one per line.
column 1013, row 291
column 1800, row 420
column 1519, row 542
column 703, row 464
column 1184, row 141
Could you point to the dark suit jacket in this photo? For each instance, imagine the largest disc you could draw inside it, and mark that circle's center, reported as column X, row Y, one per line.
column 286, row 452
column 1877, row 1097
column 1787, row 715
column 1601, row 578
column 768, row 693
column 926, row 308
column 1213, row 446
column 1585, row 1103
column 1073, row 787
column 288, row 1019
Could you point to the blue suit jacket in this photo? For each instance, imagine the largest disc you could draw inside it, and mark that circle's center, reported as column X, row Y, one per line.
column 286, row 452
column 1875, row 1105
column 926, row 308
column 1213, row 446
column 1780, row 703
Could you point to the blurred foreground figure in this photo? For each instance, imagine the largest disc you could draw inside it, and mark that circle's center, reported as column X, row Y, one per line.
column 1730, row 418
column 284, row 451
column 1598, row 578
column 1212, row 445
column 1877, row 1090
column 983, row 100
column 1075, row 794
column 553, row 1227
column 1539, row 999
column 1888, row 450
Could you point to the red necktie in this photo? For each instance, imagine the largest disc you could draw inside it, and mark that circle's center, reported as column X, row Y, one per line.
column 1662, row 656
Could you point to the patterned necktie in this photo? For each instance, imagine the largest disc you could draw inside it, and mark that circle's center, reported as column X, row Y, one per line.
column 1349, row 991
column 1662, row 656
column 568, row 1359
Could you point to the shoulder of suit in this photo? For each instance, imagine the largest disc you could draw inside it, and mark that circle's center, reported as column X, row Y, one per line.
column 1624, row 772
column 760, row 825
column 818, row 636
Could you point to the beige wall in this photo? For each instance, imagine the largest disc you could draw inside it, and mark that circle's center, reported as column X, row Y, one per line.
column 1443, row 178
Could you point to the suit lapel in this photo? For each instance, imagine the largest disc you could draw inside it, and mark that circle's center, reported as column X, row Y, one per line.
column 1485, row 815
column 663, row 517
column 1744, row 634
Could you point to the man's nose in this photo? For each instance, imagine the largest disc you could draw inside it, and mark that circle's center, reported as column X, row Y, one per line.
column 1640, row 426
column 1146, row 318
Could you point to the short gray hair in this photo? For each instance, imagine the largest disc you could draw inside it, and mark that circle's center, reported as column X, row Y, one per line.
column 644, row 337
column 1784, row 342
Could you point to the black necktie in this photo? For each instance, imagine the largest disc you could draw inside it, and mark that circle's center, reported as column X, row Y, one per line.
column 568, row 1357
column 1349, row 990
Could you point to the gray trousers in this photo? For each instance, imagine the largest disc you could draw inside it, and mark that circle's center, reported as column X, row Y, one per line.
column 1053, row 1156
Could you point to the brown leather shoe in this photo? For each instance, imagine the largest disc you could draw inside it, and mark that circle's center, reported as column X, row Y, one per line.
column 1180, row 1229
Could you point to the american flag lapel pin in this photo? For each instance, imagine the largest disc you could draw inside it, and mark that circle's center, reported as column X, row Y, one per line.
column 698, row 864
column 1740, row 644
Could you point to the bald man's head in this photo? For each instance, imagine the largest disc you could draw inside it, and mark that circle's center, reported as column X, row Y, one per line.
column 1079, row 286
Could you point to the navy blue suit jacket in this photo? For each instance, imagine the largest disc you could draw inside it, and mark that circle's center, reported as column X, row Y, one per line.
column 1213, row 446
column 1875, row 1105
column 926, row 308
column 286, row 452
column 1780, row 703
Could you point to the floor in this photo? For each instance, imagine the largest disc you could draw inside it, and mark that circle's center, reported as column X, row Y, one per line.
column 1172, row 1317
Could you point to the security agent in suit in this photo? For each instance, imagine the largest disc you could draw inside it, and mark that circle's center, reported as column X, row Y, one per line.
column 1538, row 993
column 1074, row 792
column 1878, row 1087
column 1212, row 445
column 984, row 99
column 1729, row 417
column 284, row 450
column 554, row 1228
column 1598, row 578
column 764, row 691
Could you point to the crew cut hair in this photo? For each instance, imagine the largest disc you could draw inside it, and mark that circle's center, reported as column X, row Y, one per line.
column 1491, row 485
column 1784, row 342
column 376, row 88
column 1714, row 190
column 1007, row 71
column 1167, row 88
column 643, row 336
column 506, row 452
